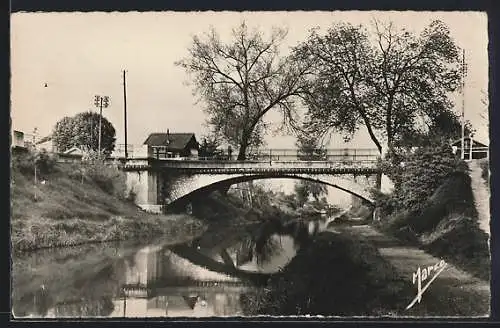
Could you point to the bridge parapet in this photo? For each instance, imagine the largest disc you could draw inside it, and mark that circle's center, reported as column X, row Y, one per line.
column 152, row 179
column 253, row 166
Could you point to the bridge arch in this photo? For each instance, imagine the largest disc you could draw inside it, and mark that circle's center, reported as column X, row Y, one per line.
column 183, row 188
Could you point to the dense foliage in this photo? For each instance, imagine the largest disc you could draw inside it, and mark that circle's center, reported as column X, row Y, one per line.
column 417, row 174
column 209, row 148
column 485, row 171
column 27, row 162
column 392, row 82
column 107, row 177
column 82, row 131
column 309, row 150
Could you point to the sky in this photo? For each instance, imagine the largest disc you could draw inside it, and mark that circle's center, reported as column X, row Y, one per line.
column 79, row 55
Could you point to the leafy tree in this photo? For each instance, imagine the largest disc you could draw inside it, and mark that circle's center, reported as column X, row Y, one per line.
column 417, row 174
column 82, row 130
column 389, row 81
column 241, row 81
column 308, row 149
column 302, row 192
column 208, row 147
column 444, row 127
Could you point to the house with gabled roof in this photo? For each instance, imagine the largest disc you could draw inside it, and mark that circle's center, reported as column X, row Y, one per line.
column 47, row 143
column 172, row 145
column 473, row 149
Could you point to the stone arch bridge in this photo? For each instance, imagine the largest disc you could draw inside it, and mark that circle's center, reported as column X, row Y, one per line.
column 157, row 183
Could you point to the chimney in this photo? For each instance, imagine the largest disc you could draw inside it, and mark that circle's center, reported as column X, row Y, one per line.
column 168, row 136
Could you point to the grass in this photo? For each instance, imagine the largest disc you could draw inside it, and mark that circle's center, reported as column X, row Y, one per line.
column 447, row 227
column 485, row 170
column 349, row 279
column 68, row 210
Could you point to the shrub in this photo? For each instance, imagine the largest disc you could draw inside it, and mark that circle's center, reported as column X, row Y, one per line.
column 25, row 162
column 417, row 174
column 45, row 162
column 485, row 171
column 110, row 179
column 76, row 171
column 131, row 196
column 386, row 203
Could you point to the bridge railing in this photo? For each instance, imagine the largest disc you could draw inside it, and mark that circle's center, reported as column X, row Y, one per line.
column 261, row 155
column 133, row 151
column 335, row 155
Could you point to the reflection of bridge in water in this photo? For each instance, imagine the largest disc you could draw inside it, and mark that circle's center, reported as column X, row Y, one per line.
column 205, row 277
column 187, row 280
column 157, row 181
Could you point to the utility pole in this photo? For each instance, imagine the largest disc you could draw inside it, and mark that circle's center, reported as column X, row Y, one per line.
column 100, row 102
column 464, row 73
column 125, row 110
column 35, row 132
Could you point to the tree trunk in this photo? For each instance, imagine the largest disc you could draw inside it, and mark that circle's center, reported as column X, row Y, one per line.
column 370, row 130
column 242, row 151
column 374, row 138
column 378, row 182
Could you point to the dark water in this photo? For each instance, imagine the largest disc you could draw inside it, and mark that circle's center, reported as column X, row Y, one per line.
column 201, row 278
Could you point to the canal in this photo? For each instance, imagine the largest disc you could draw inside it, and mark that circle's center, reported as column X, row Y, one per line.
column 295, row 267
column 205, row 277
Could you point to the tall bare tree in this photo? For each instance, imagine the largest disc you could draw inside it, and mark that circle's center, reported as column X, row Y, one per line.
column 387, row 80
column 240, row 81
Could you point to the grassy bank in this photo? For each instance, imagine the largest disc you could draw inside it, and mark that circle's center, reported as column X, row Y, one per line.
column 447, row 227
column 350, row 279
column 71, row 206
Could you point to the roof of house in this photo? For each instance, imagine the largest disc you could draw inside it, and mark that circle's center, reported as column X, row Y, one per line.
column 74, row 151
column 475, row 143
column 44, row 139
column 175, row 140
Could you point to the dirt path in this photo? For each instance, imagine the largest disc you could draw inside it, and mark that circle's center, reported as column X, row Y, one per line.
column 481, row 196
column 453, row 293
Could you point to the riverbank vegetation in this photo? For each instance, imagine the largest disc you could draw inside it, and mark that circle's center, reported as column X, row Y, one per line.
column 75, row 203
column 333, row 275
column 485, row 171
column 432, row 207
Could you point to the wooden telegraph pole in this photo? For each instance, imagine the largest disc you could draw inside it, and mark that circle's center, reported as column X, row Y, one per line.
column 125, row 110
column 100, row 102
column 464, row 72
column 35, row 132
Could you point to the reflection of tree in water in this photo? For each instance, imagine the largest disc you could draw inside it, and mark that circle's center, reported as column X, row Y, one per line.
column 85, row 308
column 106, row 281
column 93, row 293
column 36, row 303
column 71, row 291
column 265, row 242
column 67, row 275
column 266, row 249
